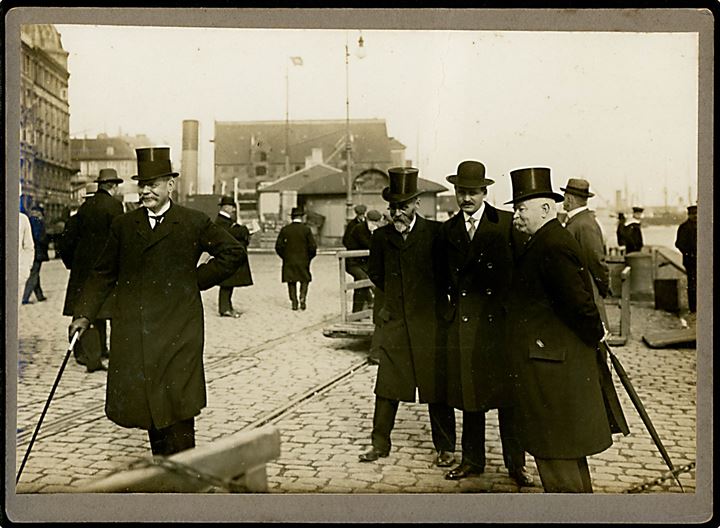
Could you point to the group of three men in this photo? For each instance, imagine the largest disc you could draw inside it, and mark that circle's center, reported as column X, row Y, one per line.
column 490, row 310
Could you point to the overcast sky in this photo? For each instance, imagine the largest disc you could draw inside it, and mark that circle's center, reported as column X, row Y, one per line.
column 619, row 109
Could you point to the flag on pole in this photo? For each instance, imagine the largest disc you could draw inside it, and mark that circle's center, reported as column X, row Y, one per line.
column 297, row 61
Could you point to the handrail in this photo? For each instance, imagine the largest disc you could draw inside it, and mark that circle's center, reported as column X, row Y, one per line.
column 345, row 286
column 669, row 261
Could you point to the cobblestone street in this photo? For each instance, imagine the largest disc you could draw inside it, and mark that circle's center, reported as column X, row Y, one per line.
column 274, row 366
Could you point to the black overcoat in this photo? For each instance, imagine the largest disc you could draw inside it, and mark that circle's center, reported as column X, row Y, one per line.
column 554, row 329
column 155, row 374
column 82, row 241
column 405, row 271
column 476, row 275
column 295, row 245
column 242, row 276
column 358, row 238
column 632, row 233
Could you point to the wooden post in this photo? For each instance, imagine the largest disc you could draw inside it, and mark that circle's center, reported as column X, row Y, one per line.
column 625, row 304
column 239, row 458
column 343, row 289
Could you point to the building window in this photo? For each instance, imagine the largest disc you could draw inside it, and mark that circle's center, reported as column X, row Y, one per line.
column 263, row 156
column 110, row 151
column 260, row 170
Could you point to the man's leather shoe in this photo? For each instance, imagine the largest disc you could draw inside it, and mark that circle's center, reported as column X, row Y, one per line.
column 372, row 454
column 303, row 306
column 444, row 459
column 464, row 470
column 101, row 367
column 521, row 477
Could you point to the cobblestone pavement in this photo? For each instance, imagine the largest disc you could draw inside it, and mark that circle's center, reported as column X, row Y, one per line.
column 271, row 366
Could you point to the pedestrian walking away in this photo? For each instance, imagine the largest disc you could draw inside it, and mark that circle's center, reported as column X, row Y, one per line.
column 156, row 379
column 295, row 245
column 555, row 329
column 403, row 265
column 583, row 225
column 40, row 244
column 227, row 219
column 357, row 236
column 476, row 247
column 686, row 242
column 80, row 244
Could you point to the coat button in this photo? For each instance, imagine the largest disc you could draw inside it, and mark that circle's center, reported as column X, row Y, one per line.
column 489, row 265
column 490, row 318
column 488, row 291
column 464, row 318
column 463, row 293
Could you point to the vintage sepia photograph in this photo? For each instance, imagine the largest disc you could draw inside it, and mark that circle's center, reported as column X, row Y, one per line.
column 426, row 265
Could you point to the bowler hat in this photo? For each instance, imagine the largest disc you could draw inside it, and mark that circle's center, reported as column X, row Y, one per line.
column 296, row 211
column 470, row 174
column 532, row 182
column 108, row 176
column 637, row 209
column 153, row 162
column 226, row 200
column 403, row 185
column 578, row 187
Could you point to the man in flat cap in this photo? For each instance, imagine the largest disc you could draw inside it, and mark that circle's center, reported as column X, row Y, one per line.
column 554, row 329
column 156, row 380
column 296, row 246
column 633, row 231
column 402, row 264
column 477, row 257
column 82, row 240
column 227, row 219
column 583, row 225
column 686, row 242
column 357, row 236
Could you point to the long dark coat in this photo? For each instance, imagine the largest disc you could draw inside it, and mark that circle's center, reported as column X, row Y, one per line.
column 686, row 242
column 242, row 276
column 405, row 271
column 358, row 238
column 82, row 241
column 477, row 277
column 41, row 240
column 295, row 245
column 554, row 328
column 632, row 233
column 155, row 374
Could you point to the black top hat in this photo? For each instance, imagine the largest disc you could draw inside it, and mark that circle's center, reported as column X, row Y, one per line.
column 403, row 185
column 153, row 162
column 227, row 200
column 470, row 174
column 296, row 211
column 108, row 176
column 578, row 187
column 637, row 209
column 532, row 183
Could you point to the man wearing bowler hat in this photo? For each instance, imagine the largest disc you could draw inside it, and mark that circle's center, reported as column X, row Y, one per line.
column 82, row 240
column 477, row 253
column 155, row 375
column 402, row 264
column 583, row 225
column 686, row 242
column 554, row 330
column 296, row 246
column 633, row 231
column 226, row 219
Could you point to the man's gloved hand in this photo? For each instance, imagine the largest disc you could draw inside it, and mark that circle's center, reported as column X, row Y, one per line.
column 78, row 325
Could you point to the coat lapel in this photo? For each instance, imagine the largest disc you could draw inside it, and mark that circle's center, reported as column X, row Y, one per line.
column 458, row 234
column 164, row 229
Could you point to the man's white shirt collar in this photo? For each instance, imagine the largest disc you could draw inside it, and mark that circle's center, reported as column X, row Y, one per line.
column 477, row 215
column 577, row 211
column 162, row 211
column 226, row 215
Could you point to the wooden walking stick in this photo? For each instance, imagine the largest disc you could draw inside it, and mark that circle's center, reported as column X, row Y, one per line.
column 74, row 339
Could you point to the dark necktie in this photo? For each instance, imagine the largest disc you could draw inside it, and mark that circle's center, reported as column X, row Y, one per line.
column 157, row 218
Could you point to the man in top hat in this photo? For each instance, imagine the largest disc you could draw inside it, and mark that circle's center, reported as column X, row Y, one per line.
column 686, row 242
column 226, row 219
column 82, row 240
column 296, row 246
column 554, row 329
column 633, row 231
column 357, row 236
column 41, row 243
column 477, row 253
column 156, row 380
column 402, row 264
column 583, row 225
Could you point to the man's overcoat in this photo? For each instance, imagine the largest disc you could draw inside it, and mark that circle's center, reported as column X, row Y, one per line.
column 155, row 374
column 476, row 275
column 554, row 329
column 295, row 245
column 242, row 276
column 83, row 240
column 405, row 271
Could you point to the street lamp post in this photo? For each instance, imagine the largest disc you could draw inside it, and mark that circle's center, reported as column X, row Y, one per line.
column 348, row 145
column 297, row 61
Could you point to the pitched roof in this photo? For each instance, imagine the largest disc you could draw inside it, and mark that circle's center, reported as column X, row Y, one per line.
column 97, row 149
column 369, row 138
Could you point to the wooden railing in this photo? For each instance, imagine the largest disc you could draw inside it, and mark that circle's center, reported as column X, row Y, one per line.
column 346, row 285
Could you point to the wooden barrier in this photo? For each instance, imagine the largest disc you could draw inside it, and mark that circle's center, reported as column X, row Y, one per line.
column 357, row 324
column 235, row 462
column 621, row 339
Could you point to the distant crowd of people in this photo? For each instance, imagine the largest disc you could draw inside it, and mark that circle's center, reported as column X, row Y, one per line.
column 490, row 309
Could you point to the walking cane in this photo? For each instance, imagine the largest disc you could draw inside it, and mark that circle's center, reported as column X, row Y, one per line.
column 47, row 404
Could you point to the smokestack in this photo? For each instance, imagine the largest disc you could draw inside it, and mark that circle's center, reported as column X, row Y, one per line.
column 189, row 177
